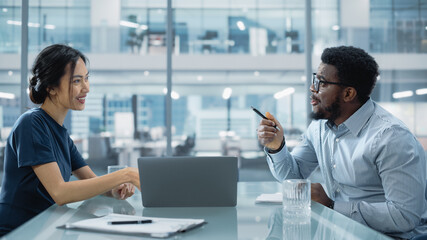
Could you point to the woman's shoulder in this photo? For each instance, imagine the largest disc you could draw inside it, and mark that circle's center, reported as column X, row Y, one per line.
column 34, row 115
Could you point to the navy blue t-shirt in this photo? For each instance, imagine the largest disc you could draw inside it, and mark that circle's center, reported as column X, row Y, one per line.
column 36, row 138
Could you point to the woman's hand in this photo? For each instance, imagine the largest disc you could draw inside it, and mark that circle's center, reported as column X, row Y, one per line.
column 133, row 175
column 126, row 189
column 123, row 191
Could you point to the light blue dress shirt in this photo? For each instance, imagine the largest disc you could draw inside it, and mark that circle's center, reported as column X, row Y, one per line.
column 373, row 167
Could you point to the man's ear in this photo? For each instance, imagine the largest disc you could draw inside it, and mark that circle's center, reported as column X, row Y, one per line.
column 350, row 94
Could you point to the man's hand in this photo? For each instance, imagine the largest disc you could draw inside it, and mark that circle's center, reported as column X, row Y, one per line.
column 319, row 195
column 123, row 191
column 268, row 135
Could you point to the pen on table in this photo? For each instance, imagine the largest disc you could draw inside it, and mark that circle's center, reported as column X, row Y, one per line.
column 131, row 222
column 262, row 115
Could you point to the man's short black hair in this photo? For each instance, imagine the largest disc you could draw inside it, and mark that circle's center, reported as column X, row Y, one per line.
column 355, row 67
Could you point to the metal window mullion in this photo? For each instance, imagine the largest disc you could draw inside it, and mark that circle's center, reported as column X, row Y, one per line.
column 24, row 54
column 308, row 60
column 168, row 113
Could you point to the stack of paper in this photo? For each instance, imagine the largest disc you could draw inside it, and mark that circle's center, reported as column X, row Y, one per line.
column 269, row 198
column 159, row 227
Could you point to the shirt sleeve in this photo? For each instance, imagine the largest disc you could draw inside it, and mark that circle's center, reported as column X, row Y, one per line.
column 400, row 160
column 77, row 160
column 32, row 143
column 298, row 164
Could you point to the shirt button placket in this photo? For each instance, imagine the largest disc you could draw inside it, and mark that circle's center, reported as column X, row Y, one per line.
column 334, row 166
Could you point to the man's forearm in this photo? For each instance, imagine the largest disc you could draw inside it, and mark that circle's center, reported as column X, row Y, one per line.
column 282, row 165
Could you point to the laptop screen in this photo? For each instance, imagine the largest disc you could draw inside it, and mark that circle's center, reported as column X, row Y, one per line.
column 188, row 181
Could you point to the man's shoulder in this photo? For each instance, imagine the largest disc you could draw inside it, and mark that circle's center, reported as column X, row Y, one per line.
column 386, row 119
column 384, row 125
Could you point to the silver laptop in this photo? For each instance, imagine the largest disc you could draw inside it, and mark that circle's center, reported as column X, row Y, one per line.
column 188, row 181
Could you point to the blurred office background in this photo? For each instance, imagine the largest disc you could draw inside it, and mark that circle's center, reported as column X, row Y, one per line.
column 227, row 55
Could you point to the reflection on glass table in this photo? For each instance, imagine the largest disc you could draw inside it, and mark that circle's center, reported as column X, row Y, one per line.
column 102, row 206
column 247, row 220
column 322, row 224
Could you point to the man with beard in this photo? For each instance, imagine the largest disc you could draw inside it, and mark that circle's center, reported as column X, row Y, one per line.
column 373, row 167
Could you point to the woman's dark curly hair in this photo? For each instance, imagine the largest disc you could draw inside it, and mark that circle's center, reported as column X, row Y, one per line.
column 49, row 66
column 355, row 67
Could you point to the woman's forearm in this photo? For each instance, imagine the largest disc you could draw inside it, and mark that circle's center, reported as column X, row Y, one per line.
column 66, row 192
column 74, row 191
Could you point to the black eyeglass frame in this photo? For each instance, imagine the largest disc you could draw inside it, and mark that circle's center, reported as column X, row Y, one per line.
column 316, row 82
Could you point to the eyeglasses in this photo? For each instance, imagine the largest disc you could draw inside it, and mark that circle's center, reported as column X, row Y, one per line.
column 316, row 82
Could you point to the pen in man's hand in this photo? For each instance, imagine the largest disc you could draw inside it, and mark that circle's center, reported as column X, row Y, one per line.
column 259, row 113
column 262, row 115
column 130, row 222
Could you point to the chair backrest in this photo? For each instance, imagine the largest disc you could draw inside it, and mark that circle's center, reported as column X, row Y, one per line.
column 97, row 147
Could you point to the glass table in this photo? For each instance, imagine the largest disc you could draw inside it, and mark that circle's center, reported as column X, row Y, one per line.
column 248, row 220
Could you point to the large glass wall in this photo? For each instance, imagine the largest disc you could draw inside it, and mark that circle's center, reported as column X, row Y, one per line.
column 49, row 22
column 253, row 48
column 10, row 75
column 398, row 26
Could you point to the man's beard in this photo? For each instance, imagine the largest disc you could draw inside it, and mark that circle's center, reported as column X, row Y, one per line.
column 334, row 109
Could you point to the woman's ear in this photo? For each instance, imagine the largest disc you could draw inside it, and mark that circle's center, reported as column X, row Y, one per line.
column 350, row 94
column 51, row 91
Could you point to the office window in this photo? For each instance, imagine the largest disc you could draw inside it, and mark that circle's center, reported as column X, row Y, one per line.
column 399, row 26
column 10, row 19
column 255, row 48
column 227, row 29
column 59, row 23
column 10, row 74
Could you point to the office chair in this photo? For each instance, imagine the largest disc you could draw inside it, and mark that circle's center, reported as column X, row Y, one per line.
column 101, row 152
column 186, row 148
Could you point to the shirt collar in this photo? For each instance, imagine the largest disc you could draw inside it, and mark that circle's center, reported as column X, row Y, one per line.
column 356, row 121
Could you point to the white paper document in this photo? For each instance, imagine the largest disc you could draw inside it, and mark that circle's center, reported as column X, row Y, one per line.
column 159, row 227
column 270, row 198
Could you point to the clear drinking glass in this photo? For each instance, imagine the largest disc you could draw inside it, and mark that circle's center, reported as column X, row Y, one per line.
column 296, row 197
column 114, row 168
